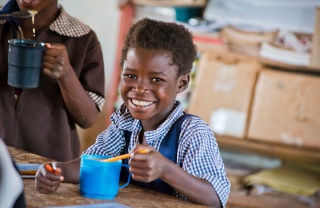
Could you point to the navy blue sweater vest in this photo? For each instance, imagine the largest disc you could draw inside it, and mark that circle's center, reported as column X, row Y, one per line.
column 168, row 148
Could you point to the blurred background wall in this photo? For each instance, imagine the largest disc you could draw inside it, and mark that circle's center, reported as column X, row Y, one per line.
column 103, row 17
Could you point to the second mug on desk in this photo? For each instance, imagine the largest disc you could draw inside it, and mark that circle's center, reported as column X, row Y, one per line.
column 25, row 62
column 100, row 180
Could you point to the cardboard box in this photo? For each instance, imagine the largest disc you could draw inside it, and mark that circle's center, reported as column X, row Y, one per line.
column 223, row 90
column 242, row 41
column 286, row 109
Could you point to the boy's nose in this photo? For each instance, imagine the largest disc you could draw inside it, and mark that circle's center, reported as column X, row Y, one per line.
column 141, row 86
column 138, row 88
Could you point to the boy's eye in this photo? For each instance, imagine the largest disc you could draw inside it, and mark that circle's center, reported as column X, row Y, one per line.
column 156, row 79
column 131, row 76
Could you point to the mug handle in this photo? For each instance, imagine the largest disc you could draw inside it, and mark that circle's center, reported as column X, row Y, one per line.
column 126, row 184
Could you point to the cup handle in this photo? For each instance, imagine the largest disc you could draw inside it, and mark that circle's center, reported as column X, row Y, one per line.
column 126, row 184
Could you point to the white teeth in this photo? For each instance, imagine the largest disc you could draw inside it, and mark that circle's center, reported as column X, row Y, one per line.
column 141, row 103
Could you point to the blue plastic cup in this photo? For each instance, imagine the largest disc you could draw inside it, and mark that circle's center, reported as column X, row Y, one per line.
column 25, row 62
column 100, row 180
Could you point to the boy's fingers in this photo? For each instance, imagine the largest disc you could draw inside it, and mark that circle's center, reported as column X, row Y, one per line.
column 54, row 45
column 42, row 170
column 56, row 167
column 53, row 168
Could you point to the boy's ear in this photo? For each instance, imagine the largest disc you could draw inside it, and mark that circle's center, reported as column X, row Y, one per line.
column 183, row 82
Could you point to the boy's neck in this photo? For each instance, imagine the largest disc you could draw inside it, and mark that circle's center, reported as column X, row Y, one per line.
column 142, row 139
column 153, row 123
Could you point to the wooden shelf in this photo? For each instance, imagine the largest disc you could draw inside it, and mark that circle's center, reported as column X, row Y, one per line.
column 286, row 152
column 288, row 66
column 282, row 151
column 189, row 3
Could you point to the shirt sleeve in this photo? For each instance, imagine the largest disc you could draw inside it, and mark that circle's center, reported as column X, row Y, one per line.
column 97, row 99
column 92, row 75
column 202, row 157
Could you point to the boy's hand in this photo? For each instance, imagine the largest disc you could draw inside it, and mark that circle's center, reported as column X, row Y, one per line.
column 56, row 60
column 48, row 178
column 147, row 167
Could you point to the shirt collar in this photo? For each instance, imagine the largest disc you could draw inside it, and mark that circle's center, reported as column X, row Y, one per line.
column 166, row 125
column 66, row 25
column 127, row 122
column 69, row 26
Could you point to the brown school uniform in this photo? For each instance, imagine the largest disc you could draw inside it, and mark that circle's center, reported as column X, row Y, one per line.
column 38, row 121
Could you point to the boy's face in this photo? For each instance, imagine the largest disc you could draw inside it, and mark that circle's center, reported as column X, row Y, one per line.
column 149, row 85
column 37, row 5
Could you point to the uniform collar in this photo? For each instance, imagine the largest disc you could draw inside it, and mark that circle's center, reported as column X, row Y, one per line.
column 69, row 26
column 127, row 122
column 166, row 125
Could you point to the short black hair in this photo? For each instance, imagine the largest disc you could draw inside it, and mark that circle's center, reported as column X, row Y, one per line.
column 167, row 36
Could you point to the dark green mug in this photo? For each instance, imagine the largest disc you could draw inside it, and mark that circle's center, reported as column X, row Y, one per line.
column 24, row 63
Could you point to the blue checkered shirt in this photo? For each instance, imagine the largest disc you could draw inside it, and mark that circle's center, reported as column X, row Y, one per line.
column 198, row 151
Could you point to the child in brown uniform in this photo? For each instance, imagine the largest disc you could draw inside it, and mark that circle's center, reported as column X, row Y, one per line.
column 43, row 120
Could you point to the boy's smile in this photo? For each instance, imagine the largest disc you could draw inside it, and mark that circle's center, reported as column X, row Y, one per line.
column 141, row 104
column 149, row 85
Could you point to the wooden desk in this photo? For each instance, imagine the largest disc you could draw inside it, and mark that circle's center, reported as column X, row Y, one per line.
column 68, row 194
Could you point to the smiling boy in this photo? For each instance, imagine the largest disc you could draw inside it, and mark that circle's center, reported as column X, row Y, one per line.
column 183, row 157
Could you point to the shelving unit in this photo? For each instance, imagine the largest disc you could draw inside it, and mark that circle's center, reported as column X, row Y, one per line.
column 285, row 152
column 212, row 43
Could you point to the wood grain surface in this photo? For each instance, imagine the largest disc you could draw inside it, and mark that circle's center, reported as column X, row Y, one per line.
column 68, row 194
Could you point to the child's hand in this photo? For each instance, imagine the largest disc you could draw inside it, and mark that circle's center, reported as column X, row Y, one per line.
column 146, row 167
column 48, row 178
column 56, row 61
